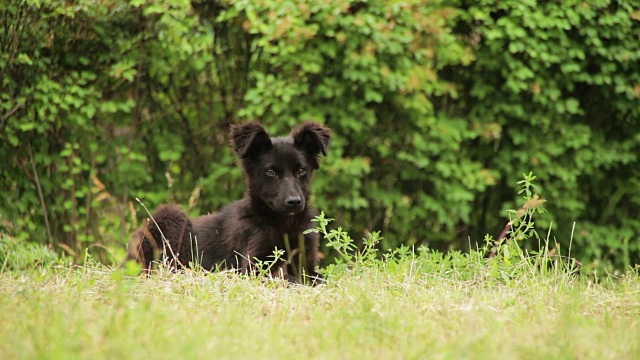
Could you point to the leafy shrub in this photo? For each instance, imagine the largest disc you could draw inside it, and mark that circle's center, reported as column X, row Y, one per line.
column 436, row 108
column 554, row 88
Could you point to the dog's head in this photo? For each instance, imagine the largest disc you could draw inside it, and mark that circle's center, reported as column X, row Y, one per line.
column 279, row 169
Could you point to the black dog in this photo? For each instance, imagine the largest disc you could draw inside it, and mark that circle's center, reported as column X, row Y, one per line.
column 273, row 214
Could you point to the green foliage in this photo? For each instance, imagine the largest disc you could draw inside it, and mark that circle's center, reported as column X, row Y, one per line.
column 503, row 261
column 18, row 255
column 369, row 70
column 341, row 242
column 510, row 258
column 554, row 88
column 100, row 114
column 436, row 108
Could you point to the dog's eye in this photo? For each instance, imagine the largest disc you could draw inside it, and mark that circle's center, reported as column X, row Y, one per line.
column 302, row 172
column 270, row 172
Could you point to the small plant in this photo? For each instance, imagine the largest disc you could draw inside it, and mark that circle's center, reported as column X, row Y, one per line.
column 521, row 225
column 349, row 256
column 344, row 245
column 508, row 257
column 266, row 268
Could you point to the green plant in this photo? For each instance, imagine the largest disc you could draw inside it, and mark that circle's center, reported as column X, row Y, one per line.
column 516, row 252
column 266, row 268
column 340, row 241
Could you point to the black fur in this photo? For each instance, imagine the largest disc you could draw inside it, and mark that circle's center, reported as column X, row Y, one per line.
column 146, row 244
column 278, row 173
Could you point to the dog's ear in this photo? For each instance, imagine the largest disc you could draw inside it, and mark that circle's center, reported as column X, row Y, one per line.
column 249, row 139
column 313, row 139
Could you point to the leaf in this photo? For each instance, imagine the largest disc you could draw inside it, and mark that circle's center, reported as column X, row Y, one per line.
column 13, row 140
column 573, row 106
column 371, row 95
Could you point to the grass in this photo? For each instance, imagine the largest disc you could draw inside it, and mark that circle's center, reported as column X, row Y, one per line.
column 400, row 305
column 379, row 311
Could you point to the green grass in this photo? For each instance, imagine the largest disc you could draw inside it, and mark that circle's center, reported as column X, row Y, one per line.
column 401, row 305
column 396, row 309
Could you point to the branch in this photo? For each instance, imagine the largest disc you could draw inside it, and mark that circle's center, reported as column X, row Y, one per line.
column 10, row 114
column 44, row 205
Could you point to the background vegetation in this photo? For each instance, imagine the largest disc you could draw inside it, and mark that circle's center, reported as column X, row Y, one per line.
column 437, row 108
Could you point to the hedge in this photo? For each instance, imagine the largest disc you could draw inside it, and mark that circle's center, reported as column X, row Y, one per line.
column 437, row 108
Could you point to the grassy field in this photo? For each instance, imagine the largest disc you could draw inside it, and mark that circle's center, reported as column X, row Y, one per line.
column 403, row 304
column 428, row 307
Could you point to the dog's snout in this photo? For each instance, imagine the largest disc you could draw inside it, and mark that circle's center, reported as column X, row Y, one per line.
column 293, row 201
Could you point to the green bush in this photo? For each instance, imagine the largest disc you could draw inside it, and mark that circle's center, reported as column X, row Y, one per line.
column 554, row 89
column 437, row 107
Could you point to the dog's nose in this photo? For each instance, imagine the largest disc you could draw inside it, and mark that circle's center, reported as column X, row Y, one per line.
column 293, row 201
